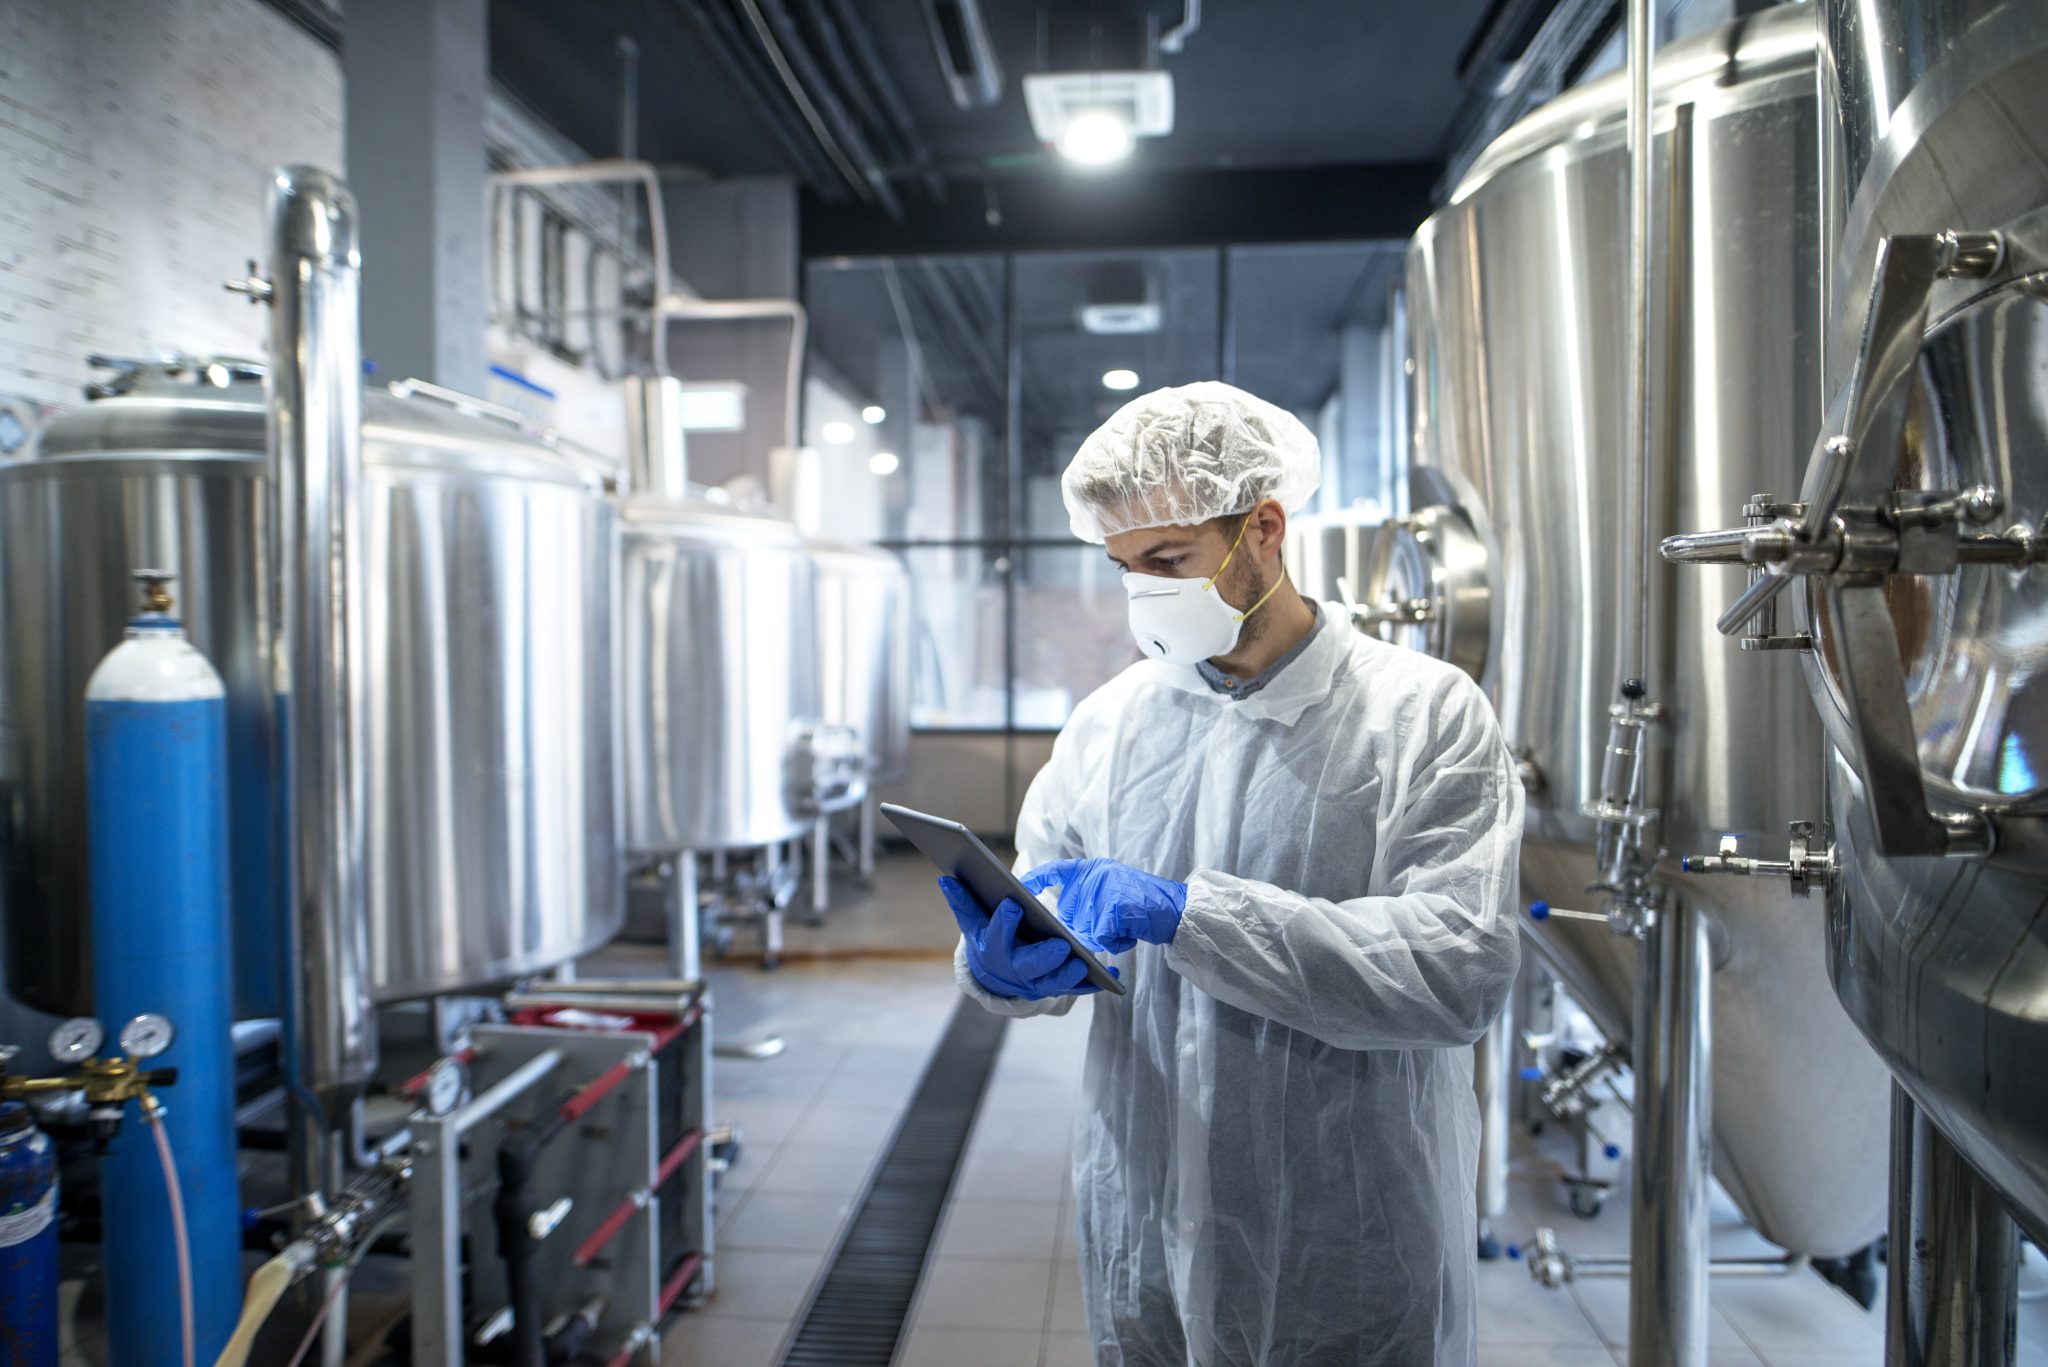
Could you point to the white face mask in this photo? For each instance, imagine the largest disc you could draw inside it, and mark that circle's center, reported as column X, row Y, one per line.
column 1186, row 620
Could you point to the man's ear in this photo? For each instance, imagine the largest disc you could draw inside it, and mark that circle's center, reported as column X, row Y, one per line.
column 1268, row 531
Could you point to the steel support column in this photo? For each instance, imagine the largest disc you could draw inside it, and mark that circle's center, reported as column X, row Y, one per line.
column 1952, row 1299
column 1668, row 1223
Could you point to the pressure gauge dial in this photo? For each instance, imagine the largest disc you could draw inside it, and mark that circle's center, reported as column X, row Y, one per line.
column 445, row 1086
column 146, row 1036
column 76, row 1040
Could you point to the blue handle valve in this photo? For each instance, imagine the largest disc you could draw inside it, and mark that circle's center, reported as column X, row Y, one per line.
column 1539, row 911
column 1532, row 1074
column 1612, row 1151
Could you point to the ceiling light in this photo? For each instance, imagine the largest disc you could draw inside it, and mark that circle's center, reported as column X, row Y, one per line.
column 1119, row 379
column 1096, row 137
column 836, row 433
column 873, row 413
column 884, row 462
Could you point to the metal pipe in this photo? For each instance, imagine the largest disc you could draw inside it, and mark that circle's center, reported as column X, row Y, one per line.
column 846, row 128
column 611, row 172
column 861, row 184
column 1642, row 46
column 683, row 931
column 747, row 65
column 689, row 308
column 657, row 451
column 1668, row 1220
column 504, row 1092
column 1176, row 38
column 1952, row 1300
column 315, row 422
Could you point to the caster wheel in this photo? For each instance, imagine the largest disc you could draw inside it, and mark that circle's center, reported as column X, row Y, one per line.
column 1585, row 1202
column 769, row 963
column 1489, row 1248
column 814, row 921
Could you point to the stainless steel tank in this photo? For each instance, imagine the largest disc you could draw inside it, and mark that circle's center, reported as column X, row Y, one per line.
column 720, row 675
column 863, row 652
column 494, row 801
column 1943, row 960
column 1519, row 326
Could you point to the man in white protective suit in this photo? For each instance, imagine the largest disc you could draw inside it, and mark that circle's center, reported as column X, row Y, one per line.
column 1299, row 844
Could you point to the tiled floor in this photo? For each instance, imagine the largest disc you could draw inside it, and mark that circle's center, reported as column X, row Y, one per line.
column 1000, row 1289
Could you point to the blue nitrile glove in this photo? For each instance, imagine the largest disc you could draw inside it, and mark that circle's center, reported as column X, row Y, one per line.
column 1110, row 905
column 1032, row 971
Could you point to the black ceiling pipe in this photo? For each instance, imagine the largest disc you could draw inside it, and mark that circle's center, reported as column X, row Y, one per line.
column 761, row 91
column 841, row 127
column 871, row 66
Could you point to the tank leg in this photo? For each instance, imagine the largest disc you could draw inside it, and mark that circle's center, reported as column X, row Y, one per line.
column 683, row 951
column 867, row 838
column 1952, row 1300
column 821, row 869
column 1668, row 1229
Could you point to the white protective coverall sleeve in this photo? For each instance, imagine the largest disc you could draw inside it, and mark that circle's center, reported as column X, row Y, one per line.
column 1422, row 963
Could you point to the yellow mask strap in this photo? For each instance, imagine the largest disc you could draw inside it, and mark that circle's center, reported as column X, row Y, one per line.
column 1231, row 552
column 1262, row 598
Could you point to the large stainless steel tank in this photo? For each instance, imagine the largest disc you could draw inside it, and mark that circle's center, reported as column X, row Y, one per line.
column 863, row 616
column 1944, row 961
column 494, row 802
column 1519, row 326
column 720, row 675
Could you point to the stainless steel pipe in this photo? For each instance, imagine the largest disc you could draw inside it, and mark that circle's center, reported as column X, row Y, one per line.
column 315, row 436
column 1668, row 1220
column 1642, row 150
column 1952, row 1299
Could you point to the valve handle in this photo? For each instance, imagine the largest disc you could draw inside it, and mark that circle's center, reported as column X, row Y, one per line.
column 1753, row 600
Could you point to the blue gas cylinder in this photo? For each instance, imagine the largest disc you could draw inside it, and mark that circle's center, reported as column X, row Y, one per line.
column 28, row 1241
column 156, row 804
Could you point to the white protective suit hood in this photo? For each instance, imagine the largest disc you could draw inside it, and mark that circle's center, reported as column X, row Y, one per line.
column 1274, row 1156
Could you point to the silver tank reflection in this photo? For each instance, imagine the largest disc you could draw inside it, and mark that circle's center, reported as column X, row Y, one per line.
column 1519, row 335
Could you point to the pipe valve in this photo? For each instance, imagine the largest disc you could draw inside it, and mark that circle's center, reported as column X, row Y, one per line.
column 1809, row 861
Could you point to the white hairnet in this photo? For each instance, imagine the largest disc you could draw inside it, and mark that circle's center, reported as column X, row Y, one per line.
column 1178, row 457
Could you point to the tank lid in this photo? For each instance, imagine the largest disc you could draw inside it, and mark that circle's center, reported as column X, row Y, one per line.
column 1775, row 42
column 211, row 404
column 707, row 513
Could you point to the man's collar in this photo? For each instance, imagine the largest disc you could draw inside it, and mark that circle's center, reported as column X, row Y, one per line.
column 1236, row 689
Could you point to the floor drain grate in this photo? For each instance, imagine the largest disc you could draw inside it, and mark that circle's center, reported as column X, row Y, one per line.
column 858, row 1308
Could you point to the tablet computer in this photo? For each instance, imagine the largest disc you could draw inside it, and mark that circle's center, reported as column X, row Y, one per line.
column 961, row 855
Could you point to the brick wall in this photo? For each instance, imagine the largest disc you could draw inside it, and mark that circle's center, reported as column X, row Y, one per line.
column 134, row 144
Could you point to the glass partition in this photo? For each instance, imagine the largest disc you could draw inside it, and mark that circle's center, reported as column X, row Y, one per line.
column 945, row 395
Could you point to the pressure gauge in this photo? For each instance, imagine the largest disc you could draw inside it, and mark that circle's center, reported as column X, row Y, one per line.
column 76, row 1040
column 445, row 1086
column 146, row 1036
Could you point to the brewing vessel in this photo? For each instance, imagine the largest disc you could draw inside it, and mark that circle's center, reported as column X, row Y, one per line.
column 494, row 806
column 863, row 651
column 720, row 676
column 1520, row 325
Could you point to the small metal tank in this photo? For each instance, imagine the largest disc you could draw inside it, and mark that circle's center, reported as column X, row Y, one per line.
column 863, row 624
column 494, row 801
column 720, row 676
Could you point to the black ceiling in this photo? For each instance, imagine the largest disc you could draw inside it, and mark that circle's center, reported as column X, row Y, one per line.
column 1264, row 86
